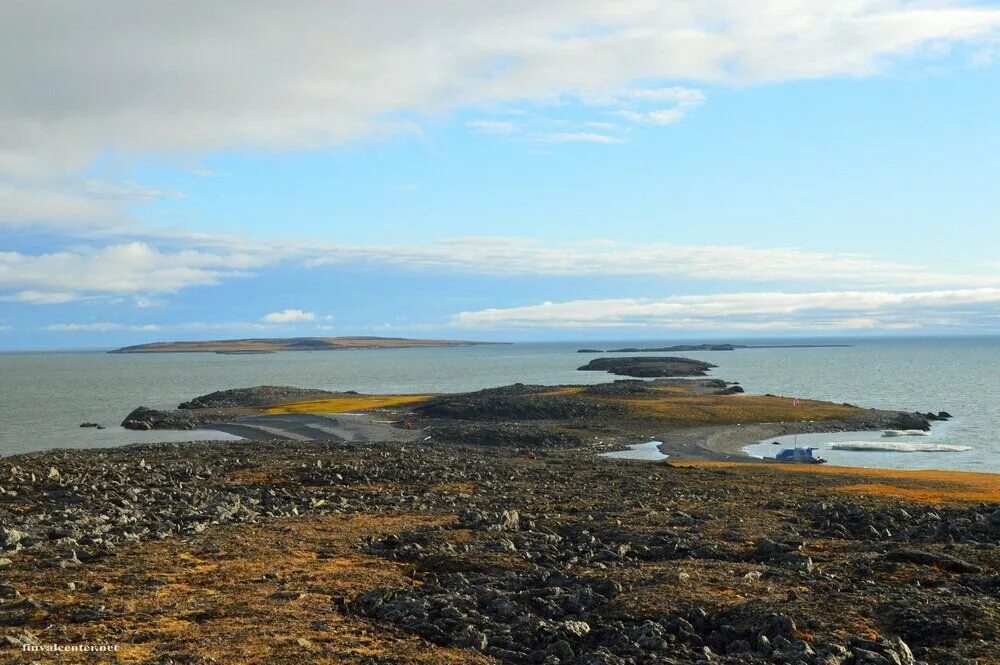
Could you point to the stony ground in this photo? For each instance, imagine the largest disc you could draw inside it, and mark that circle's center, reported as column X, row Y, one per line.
column 287, row 552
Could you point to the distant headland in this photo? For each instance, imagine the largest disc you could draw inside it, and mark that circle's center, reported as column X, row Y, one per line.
column 272, row 345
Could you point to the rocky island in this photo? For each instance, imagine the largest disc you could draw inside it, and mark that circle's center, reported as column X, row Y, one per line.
column 648, row 366
column 482, row 528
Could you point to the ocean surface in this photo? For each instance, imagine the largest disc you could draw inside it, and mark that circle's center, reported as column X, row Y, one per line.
column 45, row 396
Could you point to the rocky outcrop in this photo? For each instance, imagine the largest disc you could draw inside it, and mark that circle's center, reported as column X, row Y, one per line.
column 515, row 402
column 515, row 435
column 145, row 418
column 256, row 396
column 649, row 366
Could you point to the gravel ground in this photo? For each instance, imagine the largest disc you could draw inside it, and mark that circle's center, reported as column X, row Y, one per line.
column 287, row 552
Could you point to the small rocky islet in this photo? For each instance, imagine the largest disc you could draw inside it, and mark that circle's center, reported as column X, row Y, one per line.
column 497, row 536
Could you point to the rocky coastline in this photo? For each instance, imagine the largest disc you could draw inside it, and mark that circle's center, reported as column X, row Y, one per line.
column 483, row 528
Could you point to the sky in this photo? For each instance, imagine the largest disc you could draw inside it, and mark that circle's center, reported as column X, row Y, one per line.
column 647, row 169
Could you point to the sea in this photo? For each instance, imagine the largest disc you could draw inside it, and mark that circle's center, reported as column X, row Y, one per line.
column 44, row 397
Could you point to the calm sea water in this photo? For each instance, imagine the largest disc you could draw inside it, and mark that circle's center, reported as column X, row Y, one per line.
column 45, row 396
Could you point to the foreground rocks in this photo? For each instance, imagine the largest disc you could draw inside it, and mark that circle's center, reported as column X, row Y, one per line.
column 378, row 553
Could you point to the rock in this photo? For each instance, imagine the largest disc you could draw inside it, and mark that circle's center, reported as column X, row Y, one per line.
column 95, row 425
column 509, row 520
column 471, row 638
column 601, row 656
column 562, row 650
column 21, row 639
column 768, row 548
column 69, row 562
column 88, row 614
column 943, row 561
column 9, row 538
column 576, row 628
column 7, row 592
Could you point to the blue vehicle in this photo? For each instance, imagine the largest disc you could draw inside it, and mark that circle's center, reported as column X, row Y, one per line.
column 799, row 456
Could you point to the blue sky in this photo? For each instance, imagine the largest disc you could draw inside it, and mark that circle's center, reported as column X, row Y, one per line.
column 560, row 171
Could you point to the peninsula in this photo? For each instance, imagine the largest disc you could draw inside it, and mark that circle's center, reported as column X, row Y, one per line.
column 274, row 344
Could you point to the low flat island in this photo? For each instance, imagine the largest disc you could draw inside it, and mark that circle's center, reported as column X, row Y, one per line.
column 272, row 345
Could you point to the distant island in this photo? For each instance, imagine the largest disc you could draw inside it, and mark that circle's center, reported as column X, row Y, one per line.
column 712, row 347
column 272, row 345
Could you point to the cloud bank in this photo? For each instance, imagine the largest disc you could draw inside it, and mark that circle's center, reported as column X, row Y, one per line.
column 830, row 310
column 139, row 268
column 187, row 77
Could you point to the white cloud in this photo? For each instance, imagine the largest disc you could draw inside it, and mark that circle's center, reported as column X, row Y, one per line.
column 128, row 268
column 41, row 297
column 754, row 311
column 189, row 77
column 145, row 302
column 289, row 316
column 99, row 327
column 182, row 79
column 520, row 256
column 681, row 100
column 141, row 271
column 55, row 206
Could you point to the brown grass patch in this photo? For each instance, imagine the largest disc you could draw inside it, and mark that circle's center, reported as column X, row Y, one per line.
column 564, row 391
column 731, row 409
column 924, row 486
column 346, row 404
column 673, row 390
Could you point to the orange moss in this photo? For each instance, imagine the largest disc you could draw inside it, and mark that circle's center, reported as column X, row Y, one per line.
column 347, row 403
column 924, row 486
column 564, row 391
column 730, row 409
column 672, row 390
column 214, row 596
